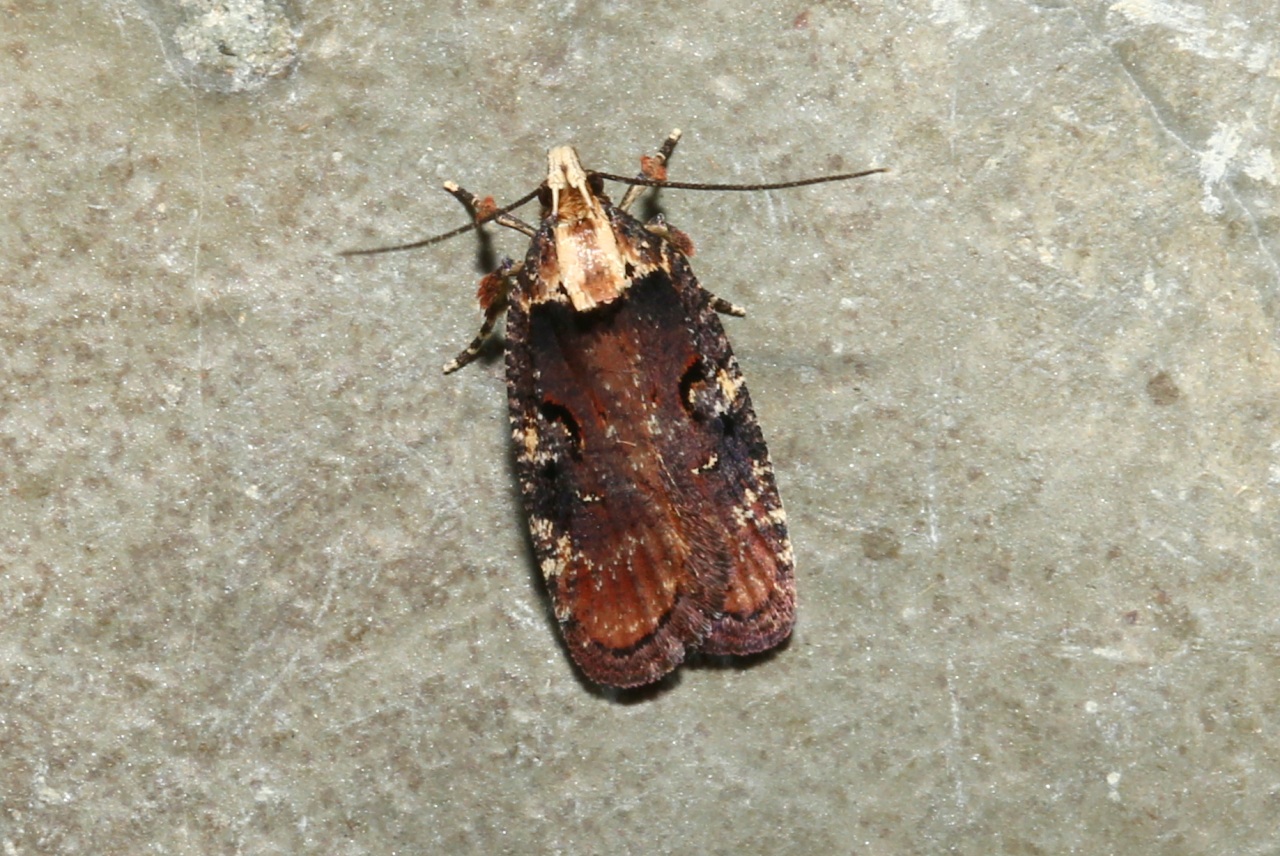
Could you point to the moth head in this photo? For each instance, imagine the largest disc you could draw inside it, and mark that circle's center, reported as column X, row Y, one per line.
column 574, row 193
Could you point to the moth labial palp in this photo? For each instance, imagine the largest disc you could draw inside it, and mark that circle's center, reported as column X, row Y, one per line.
column 651, row 501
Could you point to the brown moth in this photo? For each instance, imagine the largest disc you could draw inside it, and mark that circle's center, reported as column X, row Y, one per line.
column 650, row 496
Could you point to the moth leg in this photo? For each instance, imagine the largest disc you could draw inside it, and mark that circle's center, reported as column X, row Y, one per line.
column 652, row 168
column 492, row 293
column 682, row 242
column 496, row 285
column 484, row 209
column 723, row 306
column 659, row 226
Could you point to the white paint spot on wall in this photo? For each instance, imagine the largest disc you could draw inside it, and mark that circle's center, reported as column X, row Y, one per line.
column 1216, row 156
column 957, row 15
column 1211, row 36
column 1227, row 151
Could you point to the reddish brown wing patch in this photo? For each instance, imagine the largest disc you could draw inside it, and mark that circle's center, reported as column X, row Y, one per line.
column 759, row 606
column 645, row 476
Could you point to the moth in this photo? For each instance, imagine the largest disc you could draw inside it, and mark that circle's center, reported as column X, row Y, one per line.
column 650, row 497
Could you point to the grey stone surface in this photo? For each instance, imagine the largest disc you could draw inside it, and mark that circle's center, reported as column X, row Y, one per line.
column 263, row 582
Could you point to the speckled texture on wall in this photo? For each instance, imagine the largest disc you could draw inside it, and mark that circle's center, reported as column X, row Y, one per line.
column 264, row 583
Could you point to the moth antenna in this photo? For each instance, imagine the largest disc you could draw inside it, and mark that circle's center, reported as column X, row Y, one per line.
column 686, row 185
column 495, row 214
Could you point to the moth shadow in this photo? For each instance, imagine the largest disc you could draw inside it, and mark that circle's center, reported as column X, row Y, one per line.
column 698, row 661
column 628, row 695
column 487, row 258
column 649, row 206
